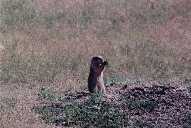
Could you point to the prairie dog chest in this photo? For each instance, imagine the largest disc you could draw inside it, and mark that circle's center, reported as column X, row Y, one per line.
column 100, row 79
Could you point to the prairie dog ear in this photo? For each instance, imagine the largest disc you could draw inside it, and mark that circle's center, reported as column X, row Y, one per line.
column 100, row 57
column 96, row 59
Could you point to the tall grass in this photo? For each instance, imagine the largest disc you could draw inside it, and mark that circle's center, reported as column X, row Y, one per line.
column 17, row 12
column 62, row 40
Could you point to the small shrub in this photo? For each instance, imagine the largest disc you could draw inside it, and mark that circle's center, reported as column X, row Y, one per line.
column 187, row 120
column 146, row 105
column 46, row 94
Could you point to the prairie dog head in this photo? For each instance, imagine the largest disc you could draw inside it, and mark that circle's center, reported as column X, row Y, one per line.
column 98, row 64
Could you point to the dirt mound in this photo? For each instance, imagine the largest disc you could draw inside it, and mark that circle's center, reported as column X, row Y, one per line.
column 141, row 106
column 158, row 106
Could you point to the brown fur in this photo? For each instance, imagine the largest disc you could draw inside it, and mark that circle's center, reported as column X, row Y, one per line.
column 95, row 79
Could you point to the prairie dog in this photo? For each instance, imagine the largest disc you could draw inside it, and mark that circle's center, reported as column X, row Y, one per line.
column 95, row 79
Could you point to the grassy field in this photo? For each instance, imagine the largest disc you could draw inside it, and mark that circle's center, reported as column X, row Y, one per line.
column 49, row 43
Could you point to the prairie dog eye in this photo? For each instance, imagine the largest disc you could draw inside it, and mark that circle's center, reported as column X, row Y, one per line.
column 100, row 64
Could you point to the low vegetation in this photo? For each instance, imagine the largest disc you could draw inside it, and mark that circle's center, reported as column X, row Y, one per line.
column 92, row 113
column 154, row 106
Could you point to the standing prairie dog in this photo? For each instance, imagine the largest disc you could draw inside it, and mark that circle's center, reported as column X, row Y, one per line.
column 95, row 79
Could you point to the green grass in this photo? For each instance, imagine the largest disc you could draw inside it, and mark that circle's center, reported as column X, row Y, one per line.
column 145, row 105
column 94, row 112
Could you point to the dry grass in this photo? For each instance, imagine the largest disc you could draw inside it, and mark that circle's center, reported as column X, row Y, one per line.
column 49, row 43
